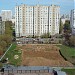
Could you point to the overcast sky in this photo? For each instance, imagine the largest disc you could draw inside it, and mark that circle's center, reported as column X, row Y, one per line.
column 65, row 5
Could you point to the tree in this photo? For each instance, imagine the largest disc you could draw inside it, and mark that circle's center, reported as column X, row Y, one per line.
column 8, row 28
column 67, row 31
column 61, row 27
column 45, row 35
column 67, row 27
column 3, row 44
column 72, row 41
column 1, row 50
column 6, row 38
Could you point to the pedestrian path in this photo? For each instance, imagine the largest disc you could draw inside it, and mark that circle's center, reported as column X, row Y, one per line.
column 5, row 52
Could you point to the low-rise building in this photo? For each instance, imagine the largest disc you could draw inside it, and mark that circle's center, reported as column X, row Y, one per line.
column 31, row 70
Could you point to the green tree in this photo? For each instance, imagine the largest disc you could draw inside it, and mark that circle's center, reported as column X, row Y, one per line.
column 45, row 35
column 8, row 28
column 6, row 39
column 61, row 27
column 67, row 31
column 3, row 44
column 67, row 27
column 72, row 41
column 1, row 50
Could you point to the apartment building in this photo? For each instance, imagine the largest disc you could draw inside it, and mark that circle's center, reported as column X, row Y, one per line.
column 2, row 26
column 6, row 15
column 36, row 20
column 72, row 21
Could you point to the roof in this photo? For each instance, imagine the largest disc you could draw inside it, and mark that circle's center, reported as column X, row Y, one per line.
column 10, row 67
column 61, row 73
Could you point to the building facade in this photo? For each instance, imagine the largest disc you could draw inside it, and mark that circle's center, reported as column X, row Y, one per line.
column 72, row 21
column 2, row 26
column 36, row 20
column 31, row 70
column 6, row 15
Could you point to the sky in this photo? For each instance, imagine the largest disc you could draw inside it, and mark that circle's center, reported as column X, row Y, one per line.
column 65, row 5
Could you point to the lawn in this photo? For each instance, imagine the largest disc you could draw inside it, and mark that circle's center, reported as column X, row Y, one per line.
column 68, row 53
column 69, row 71
column 13, row 51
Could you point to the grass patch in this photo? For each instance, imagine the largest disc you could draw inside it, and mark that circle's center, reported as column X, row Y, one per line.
column 68, row 53
column 69, row 71
column 11, row 53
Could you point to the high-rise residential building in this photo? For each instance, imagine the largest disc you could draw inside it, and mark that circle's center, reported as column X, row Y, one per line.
column 6, row 15
column 36, row 20
column 72, row 21
column 2, row 26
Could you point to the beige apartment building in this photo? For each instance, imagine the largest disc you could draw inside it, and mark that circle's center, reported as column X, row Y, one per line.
column 36, row 20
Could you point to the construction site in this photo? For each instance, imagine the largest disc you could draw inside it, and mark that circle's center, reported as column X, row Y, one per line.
column 42, row 55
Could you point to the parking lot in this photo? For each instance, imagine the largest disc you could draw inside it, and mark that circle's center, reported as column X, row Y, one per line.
column 36, row 40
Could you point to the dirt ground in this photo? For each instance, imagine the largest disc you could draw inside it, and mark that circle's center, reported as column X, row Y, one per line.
column 42, row 55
